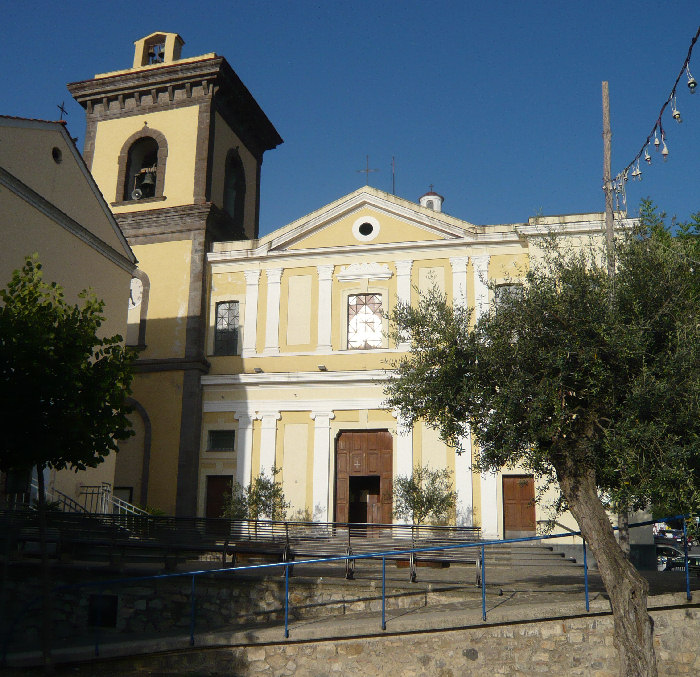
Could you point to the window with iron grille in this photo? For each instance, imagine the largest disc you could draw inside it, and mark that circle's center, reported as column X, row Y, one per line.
column 221, row 440
column 508, row 291
column 365, row 317
column 226, row 331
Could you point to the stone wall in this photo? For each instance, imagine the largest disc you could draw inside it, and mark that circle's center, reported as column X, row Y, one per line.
column 572, row 646
column 163, row 606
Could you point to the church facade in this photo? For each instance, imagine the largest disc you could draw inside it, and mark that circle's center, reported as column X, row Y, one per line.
column 260, row 353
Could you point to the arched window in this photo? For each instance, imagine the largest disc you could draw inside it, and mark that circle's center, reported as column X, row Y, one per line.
column 142, row 166
column 234, row 187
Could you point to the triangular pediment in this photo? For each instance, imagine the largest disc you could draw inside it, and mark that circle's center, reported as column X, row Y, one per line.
column 364, row 218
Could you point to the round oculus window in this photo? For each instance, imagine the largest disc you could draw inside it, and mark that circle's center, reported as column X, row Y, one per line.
column 365, row 228
column 57, row 155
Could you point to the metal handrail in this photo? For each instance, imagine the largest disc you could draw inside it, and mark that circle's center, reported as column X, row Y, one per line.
column 481, row 563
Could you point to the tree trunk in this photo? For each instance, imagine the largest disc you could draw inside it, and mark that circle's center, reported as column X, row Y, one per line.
column 45, row 580
column 623, row 531
column 625, row 587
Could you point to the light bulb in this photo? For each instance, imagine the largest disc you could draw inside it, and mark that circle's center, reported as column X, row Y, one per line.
column 647, row 157
column 664, row 151
column 657, row 143
column 692, row 82
column 675, row 113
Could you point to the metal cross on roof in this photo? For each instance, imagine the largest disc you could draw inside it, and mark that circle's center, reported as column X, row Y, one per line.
column 62, row 109
column 367, row 171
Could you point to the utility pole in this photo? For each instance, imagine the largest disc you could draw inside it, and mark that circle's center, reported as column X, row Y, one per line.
column 622, row 511
column 607, row 182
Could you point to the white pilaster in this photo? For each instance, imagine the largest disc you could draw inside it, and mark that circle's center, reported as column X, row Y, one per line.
column 325, row 283
column 322, row 463
column 272, row 324
column 481, row 291
column 489, row 481
column 250, row 321
column 463, row 483
column 459, row 280
column 404, row 447
column 244, row 448
column 268, row 439
column 489, row 505
column 403, row 290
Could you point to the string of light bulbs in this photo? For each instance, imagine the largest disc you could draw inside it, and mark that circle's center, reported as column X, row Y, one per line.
column 658, row 133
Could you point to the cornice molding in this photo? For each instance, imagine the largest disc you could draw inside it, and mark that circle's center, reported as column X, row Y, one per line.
column 326, row 378
column 249, row 409
column 364, row 271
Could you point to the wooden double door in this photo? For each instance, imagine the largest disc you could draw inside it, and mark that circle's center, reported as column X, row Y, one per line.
column 519, row 506
column 363, row 471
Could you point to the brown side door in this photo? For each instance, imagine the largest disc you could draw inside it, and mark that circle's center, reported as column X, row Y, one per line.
column 218, row 488
column 519, row 506
column 364, row 453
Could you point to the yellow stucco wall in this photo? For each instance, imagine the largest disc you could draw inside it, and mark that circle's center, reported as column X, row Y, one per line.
column 27, row 155
column 160, row 394
column 167, row 265
column 339, row 233
column 180, row 129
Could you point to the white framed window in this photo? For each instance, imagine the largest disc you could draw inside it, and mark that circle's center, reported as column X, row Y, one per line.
column 227, row 327
column 365, row 327
column 221, row 440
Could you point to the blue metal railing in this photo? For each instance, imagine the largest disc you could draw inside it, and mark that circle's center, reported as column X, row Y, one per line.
column 481, row 564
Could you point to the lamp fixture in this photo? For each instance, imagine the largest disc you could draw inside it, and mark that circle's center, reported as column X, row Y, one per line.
column 692, row 82
column 647, row 157
column 664, row 151
column 675, row 114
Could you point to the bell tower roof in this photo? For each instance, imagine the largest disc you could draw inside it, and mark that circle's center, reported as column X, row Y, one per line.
column 157, row 48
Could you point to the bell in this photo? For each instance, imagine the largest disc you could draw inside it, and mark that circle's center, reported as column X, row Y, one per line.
column 148, row 180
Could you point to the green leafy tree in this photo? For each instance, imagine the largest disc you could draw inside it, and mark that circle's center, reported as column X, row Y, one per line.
column 63, row 387
column 425, row 493
column 63, row 390
column 263, row 498
column 599, row 397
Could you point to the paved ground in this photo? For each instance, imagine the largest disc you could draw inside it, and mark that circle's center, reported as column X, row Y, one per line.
column 513, row 594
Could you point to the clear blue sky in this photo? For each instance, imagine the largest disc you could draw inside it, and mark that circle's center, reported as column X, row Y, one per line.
column 498, row 104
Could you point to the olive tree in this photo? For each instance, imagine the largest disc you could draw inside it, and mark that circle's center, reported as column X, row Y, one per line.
column 599, row 397
column 425, row 493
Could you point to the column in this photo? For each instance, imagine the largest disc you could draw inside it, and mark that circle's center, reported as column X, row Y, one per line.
column 272, row 324
column 322, row 463
column 481, row 291
column 268, row 439
column 459, row 280
column 404, row 446
column 325, row 284
column 489, row 480
column 463, row 482
column 489, row 505
column 250, row 321
column 244, row 447
column 403, row 290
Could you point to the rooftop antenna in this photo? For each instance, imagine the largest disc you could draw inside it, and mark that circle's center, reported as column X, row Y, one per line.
column 367, row 171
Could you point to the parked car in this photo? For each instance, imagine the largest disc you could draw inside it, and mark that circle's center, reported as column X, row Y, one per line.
column 679, row 563
column 666, row 555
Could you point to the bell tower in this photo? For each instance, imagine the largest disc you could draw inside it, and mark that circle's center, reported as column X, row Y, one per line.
column 176, row 146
